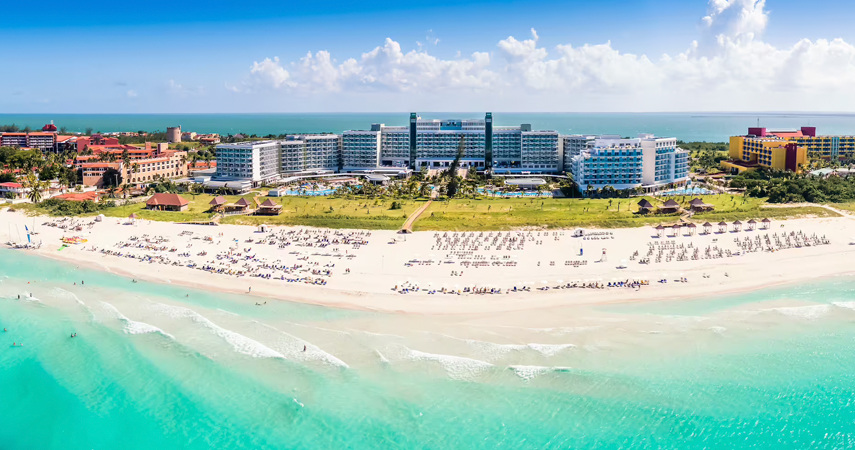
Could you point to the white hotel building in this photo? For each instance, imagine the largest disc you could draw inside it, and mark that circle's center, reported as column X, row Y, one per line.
column 434, row 144
column 647, row 162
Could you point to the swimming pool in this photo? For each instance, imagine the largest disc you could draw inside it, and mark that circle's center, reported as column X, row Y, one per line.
column 688, row 191
column 513, row 194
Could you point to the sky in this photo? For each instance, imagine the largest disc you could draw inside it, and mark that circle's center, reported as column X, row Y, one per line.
column 501, row 55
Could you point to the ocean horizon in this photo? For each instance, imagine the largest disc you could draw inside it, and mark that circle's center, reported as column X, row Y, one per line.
column 687, row 126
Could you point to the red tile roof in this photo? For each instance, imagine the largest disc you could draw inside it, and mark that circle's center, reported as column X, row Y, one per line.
column 167, row 200
column 79, row 196
column 12, row 185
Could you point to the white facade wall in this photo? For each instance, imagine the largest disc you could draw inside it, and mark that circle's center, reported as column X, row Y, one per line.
column 360, row 150
column 664, row 162
column 254, row 161
column 541, row 151
column 308, row 153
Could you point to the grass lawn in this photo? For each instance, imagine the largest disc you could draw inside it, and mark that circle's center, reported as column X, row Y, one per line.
column 466, row 215
column 309, row 211
column 507, row 214
column 315, row 211
column 848, row 206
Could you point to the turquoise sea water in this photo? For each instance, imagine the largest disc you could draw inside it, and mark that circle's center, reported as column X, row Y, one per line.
column 711, row 127
column 155, row 368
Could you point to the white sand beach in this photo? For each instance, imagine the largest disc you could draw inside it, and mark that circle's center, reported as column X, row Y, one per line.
column 447, row 272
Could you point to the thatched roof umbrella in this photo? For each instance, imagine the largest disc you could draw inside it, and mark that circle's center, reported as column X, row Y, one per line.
column 722, row 227
column 766, row 223
column 737, row 225
column 751, row 224
column 692, row 228
column 707, row 228
column 659, row 230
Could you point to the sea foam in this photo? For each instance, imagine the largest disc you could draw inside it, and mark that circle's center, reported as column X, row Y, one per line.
column 457, row 367
column 529, row 373
column 132, row 326
column 239, row 342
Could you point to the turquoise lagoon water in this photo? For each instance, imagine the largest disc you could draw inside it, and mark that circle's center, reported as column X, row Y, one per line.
column 711, row 127
column 154, row 368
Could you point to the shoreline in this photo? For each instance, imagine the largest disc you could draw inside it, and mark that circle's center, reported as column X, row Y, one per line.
column 368, row 287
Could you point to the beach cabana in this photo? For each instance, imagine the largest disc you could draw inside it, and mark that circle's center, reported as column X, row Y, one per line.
column 751, row 224
column 698, row 205
column 217, row 203
column 675, row 230
column 99, row 218
column 737, row 226
column 765, row 223
column 707, row 228
column 669, row 207
column 659, row 230
column 722, row 227
column 167, row 202
column 263, row 228
column 239, row 206
column 644, row 206
column 269, row 208
column 692, row 228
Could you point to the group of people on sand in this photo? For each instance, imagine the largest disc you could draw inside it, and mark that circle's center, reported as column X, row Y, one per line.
column 667, row 251
column 492, row 240
column 241, row 260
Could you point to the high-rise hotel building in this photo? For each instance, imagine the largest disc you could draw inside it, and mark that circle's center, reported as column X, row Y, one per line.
column 434, row 144
column 645, row 162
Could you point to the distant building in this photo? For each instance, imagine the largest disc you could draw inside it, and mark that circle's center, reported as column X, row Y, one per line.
column 148, row 164
column 434, row 144
column 784, row 150
column 173, row 134
column 44, row 141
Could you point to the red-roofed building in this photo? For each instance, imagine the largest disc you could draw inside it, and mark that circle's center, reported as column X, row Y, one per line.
column 167, row 202
column 80, row 196
column 148, row 164
column 13, row 140
column 12, row 190
column 49, row 127
column 38, row 140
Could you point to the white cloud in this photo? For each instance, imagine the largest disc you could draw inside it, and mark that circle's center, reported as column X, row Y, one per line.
column 729, row 67
column 176, row 88
column 132, row 93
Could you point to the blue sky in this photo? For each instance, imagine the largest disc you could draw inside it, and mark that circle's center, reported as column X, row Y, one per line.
column 193, row 56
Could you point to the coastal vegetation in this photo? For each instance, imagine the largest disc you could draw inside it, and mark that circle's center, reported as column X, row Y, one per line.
column 787, row 187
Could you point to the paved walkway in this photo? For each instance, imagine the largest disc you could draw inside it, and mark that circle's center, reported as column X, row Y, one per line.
column 408, row 225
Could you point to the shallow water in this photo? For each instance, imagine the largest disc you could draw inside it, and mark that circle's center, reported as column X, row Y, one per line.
column 152, row 367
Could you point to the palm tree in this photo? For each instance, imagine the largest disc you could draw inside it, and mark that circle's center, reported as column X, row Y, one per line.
column 35, row 186
column 112, row 191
